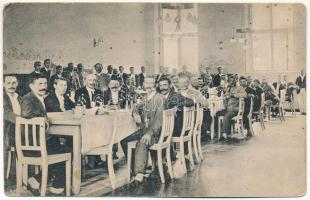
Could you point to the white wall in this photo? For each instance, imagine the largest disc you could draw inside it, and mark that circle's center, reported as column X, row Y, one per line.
column 65, row 33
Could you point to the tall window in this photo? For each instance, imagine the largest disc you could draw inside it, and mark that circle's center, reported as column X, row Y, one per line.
column 272, row 37
column 179, row 36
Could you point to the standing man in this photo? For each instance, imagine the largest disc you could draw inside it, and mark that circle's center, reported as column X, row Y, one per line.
column 46, row 71
column 68, row 74
column 122, row 74
column 78, row 77
column 102, row 79
column 33, row 106
column 11, row 109
column 141, row 77
column 301, row 92
column 218, row 77
column 133, row 78
column 110, row 70
column 160, row 74
column 37, row 69
column 57, row 75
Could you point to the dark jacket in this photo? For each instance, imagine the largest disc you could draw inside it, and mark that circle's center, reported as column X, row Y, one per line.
column 9, row 119
column 122, row 98
column 83, row 93
column 281, row 87
column 301, row 83
column 46, row 73
column 52, row 103
column 216, row 80
column 177, row 100
column 141, row 80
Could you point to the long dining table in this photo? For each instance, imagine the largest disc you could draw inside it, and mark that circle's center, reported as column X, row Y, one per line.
column 88, row 131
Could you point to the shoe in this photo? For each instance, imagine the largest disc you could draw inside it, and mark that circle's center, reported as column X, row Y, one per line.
column 33, row 191
column 56, row 190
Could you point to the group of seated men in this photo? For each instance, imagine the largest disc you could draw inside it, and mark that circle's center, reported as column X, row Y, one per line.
column 164, row 91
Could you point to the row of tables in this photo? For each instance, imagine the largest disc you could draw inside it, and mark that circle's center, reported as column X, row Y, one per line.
column 89, row 131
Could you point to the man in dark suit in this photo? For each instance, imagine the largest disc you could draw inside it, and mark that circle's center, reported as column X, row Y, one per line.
column 37, row 69
column 301, row 91
column 278, row 85
column 141, row 77
column 55, row 76
column 133, row 78
column 46, row 71
column 122, row 74
column 114, row 95
column 102, row 79
column 258, row 95
column 218, row 77
column 68, row 75
column 89, row 95
column 11, row 109
column 33, row 105
column 58, row 101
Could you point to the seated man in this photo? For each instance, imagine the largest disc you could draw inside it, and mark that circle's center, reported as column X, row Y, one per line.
column 231, row 100
column 150, row 122
column 258, row 97
column 115, row 96
column 11, row 109
column 271, row 96
column 32, row 105
column 58, row 101
column 250, row 93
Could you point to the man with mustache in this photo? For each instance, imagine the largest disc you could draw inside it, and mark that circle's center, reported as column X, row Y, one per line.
column 11, row 109
column 33, row 105
column 150, row 120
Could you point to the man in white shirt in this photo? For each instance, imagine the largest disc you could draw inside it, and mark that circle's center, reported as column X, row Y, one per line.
column 11, row 109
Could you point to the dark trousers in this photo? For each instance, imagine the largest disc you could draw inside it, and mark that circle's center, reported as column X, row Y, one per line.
column 206, row 121
column 56, row 171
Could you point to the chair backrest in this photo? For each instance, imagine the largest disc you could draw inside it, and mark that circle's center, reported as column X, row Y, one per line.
column 188, row 120
column 241, row 107
column 30, row 136
column 282, row 95
column 168, row 125
column 198, row 119
column 251, row 107
column 262, row 101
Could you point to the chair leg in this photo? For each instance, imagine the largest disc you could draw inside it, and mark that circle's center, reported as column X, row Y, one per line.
column 19, row 174
column 25, row 174
column 44, row 179
column 160, row 165
column 169, row 162
column 129, row 155
column 219, row 128
column 196, row 148
column 190, row 152
column 199, row 147
column 68, row 178
column 182, row 155
column 8, row 169
column 111, row 170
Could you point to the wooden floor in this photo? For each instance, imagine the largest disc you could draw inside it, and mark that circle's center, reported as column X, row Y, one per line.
column 271, row 164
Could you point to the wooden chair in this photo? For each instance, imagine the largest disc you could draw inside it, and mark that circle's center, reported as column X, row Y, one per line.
column 292, row 103
column 280, row 105
column 249, row 116
column 197, row 133
column 163, row 143
column 186, row 135
column 259, row 115
column 35, row 141
column 237, row 120
column 8, row 169
column 108, row 151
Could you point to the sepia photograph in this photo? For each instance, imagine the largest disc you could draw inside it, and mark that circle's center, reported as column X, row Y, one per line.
column 154, row 99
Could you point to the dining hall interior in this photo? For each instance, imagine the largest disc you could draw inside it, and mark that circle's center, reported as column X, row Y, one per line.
column 154, row 99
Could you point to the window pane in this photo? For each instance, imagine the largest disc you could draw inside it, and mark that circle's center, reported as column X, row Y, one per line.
column 280, row 50
column 189, row 20
column 169, row 25
column 261, row 16
column 282, row 16
column 262, row 51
